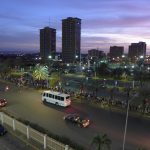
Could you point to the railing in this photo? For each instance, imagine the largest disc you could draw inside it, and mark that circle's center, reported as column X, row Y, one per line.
column 30, row 133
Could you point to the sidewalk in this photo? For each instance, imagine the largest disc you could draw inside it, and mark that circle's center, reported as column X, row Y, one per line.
column 30, row 144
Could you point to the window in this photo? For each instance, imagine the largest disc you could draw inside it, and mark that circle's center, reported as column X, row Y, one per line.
column 56, row 97
column 46, row 94
column 59, row 98
column 50, row 95
column 43, row 94
column 62, row 98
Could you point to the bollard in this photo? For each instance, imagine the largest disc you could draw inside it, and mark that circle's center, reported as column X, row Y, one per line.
column 2, row 118
column 45, row 141
column 66, row 147
column 28, row 136
column 14, row 128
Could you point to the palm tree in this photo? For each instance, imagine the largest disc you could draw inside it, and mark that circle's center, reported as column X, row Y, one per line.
column 4, row 69
column 102, row 142
column 40, row 73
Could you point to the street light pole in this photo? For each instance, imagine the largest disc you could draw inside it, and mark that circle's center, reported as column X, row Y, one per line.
column 133, row 84
column 95, row 68
column 126, row 123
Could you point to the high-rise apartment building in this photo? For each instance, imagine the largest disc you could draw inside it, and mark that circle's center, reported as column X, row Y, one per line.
column 95, row 53
column 116, row 51
column 47, row 43
column 71, row 39
column 137, row 50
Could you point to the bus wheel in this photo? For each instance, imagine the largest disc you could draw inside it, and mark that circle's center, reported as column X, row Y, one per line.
column 56, row 103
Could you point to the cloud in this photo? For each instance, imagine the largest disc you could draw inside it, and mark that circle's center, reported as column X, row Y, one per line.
column 117, row 22
column 104, row 22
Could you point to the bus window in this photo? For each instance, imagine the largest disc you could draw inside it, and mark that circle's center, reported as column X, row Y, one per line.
column 43, row 94
column 59, row 98
column 62, row 98
column 50, row 95
column 56, row 97
column 46, row 94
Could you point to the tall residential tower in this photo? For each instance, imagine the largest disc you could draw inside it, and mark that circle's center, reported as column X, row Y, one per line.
column 137, row 50
column 47, row 43
column 71, row 39
column 116, row 51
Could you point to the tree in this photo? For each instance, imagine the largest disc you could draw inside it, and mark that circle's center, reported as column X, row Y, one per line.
column 55, row 79
column 40, row 73
column 124, row 76
column 4, row 69
column 144, row 95
column 102, row 142
column 117, row 73
column 103, row 69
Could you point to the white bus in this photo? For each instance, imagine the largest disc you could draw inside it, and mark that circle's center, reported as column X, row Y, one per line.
column 56, row 98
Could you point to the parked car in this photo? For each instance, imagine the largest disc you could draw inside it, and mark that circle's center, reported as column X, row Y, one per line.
column 77, row 119
column 3, row 102
column 2, row 130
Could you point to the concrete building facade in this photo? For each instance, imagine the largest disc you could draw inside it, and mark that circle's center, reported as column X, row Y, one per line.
column 47, row 43
column 71, row 39
column 116, row 51
column 137, row 50
column 95, row 53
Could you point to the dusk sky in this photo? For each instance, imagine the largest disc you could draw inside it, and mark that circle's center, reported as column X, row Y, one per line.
column 104, row 22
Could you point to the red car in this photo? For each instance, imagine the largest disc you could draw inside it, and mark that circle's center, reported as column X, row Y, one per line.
column 3, row 102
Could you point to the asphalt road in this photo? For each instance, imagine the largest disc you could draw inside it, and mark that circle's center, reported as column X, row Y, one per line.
column 26, row 103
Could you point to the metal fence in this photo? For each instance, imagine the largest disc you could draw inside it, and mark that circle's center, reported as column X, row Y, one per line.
column 30, row 133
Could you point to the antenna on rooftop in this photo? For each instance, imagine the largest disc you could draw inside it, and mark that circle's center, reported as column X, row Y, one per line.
column 49, row 23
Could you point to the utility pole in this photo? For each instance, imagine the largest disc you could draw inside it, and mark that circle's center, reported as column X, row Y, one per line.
column 126, row 123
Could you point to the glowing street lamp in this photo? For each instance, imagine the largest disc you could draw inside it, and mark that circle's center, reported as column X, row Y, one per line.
column 50, row 57
column 76, row 56
column 123, row 56
column 141, row 56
